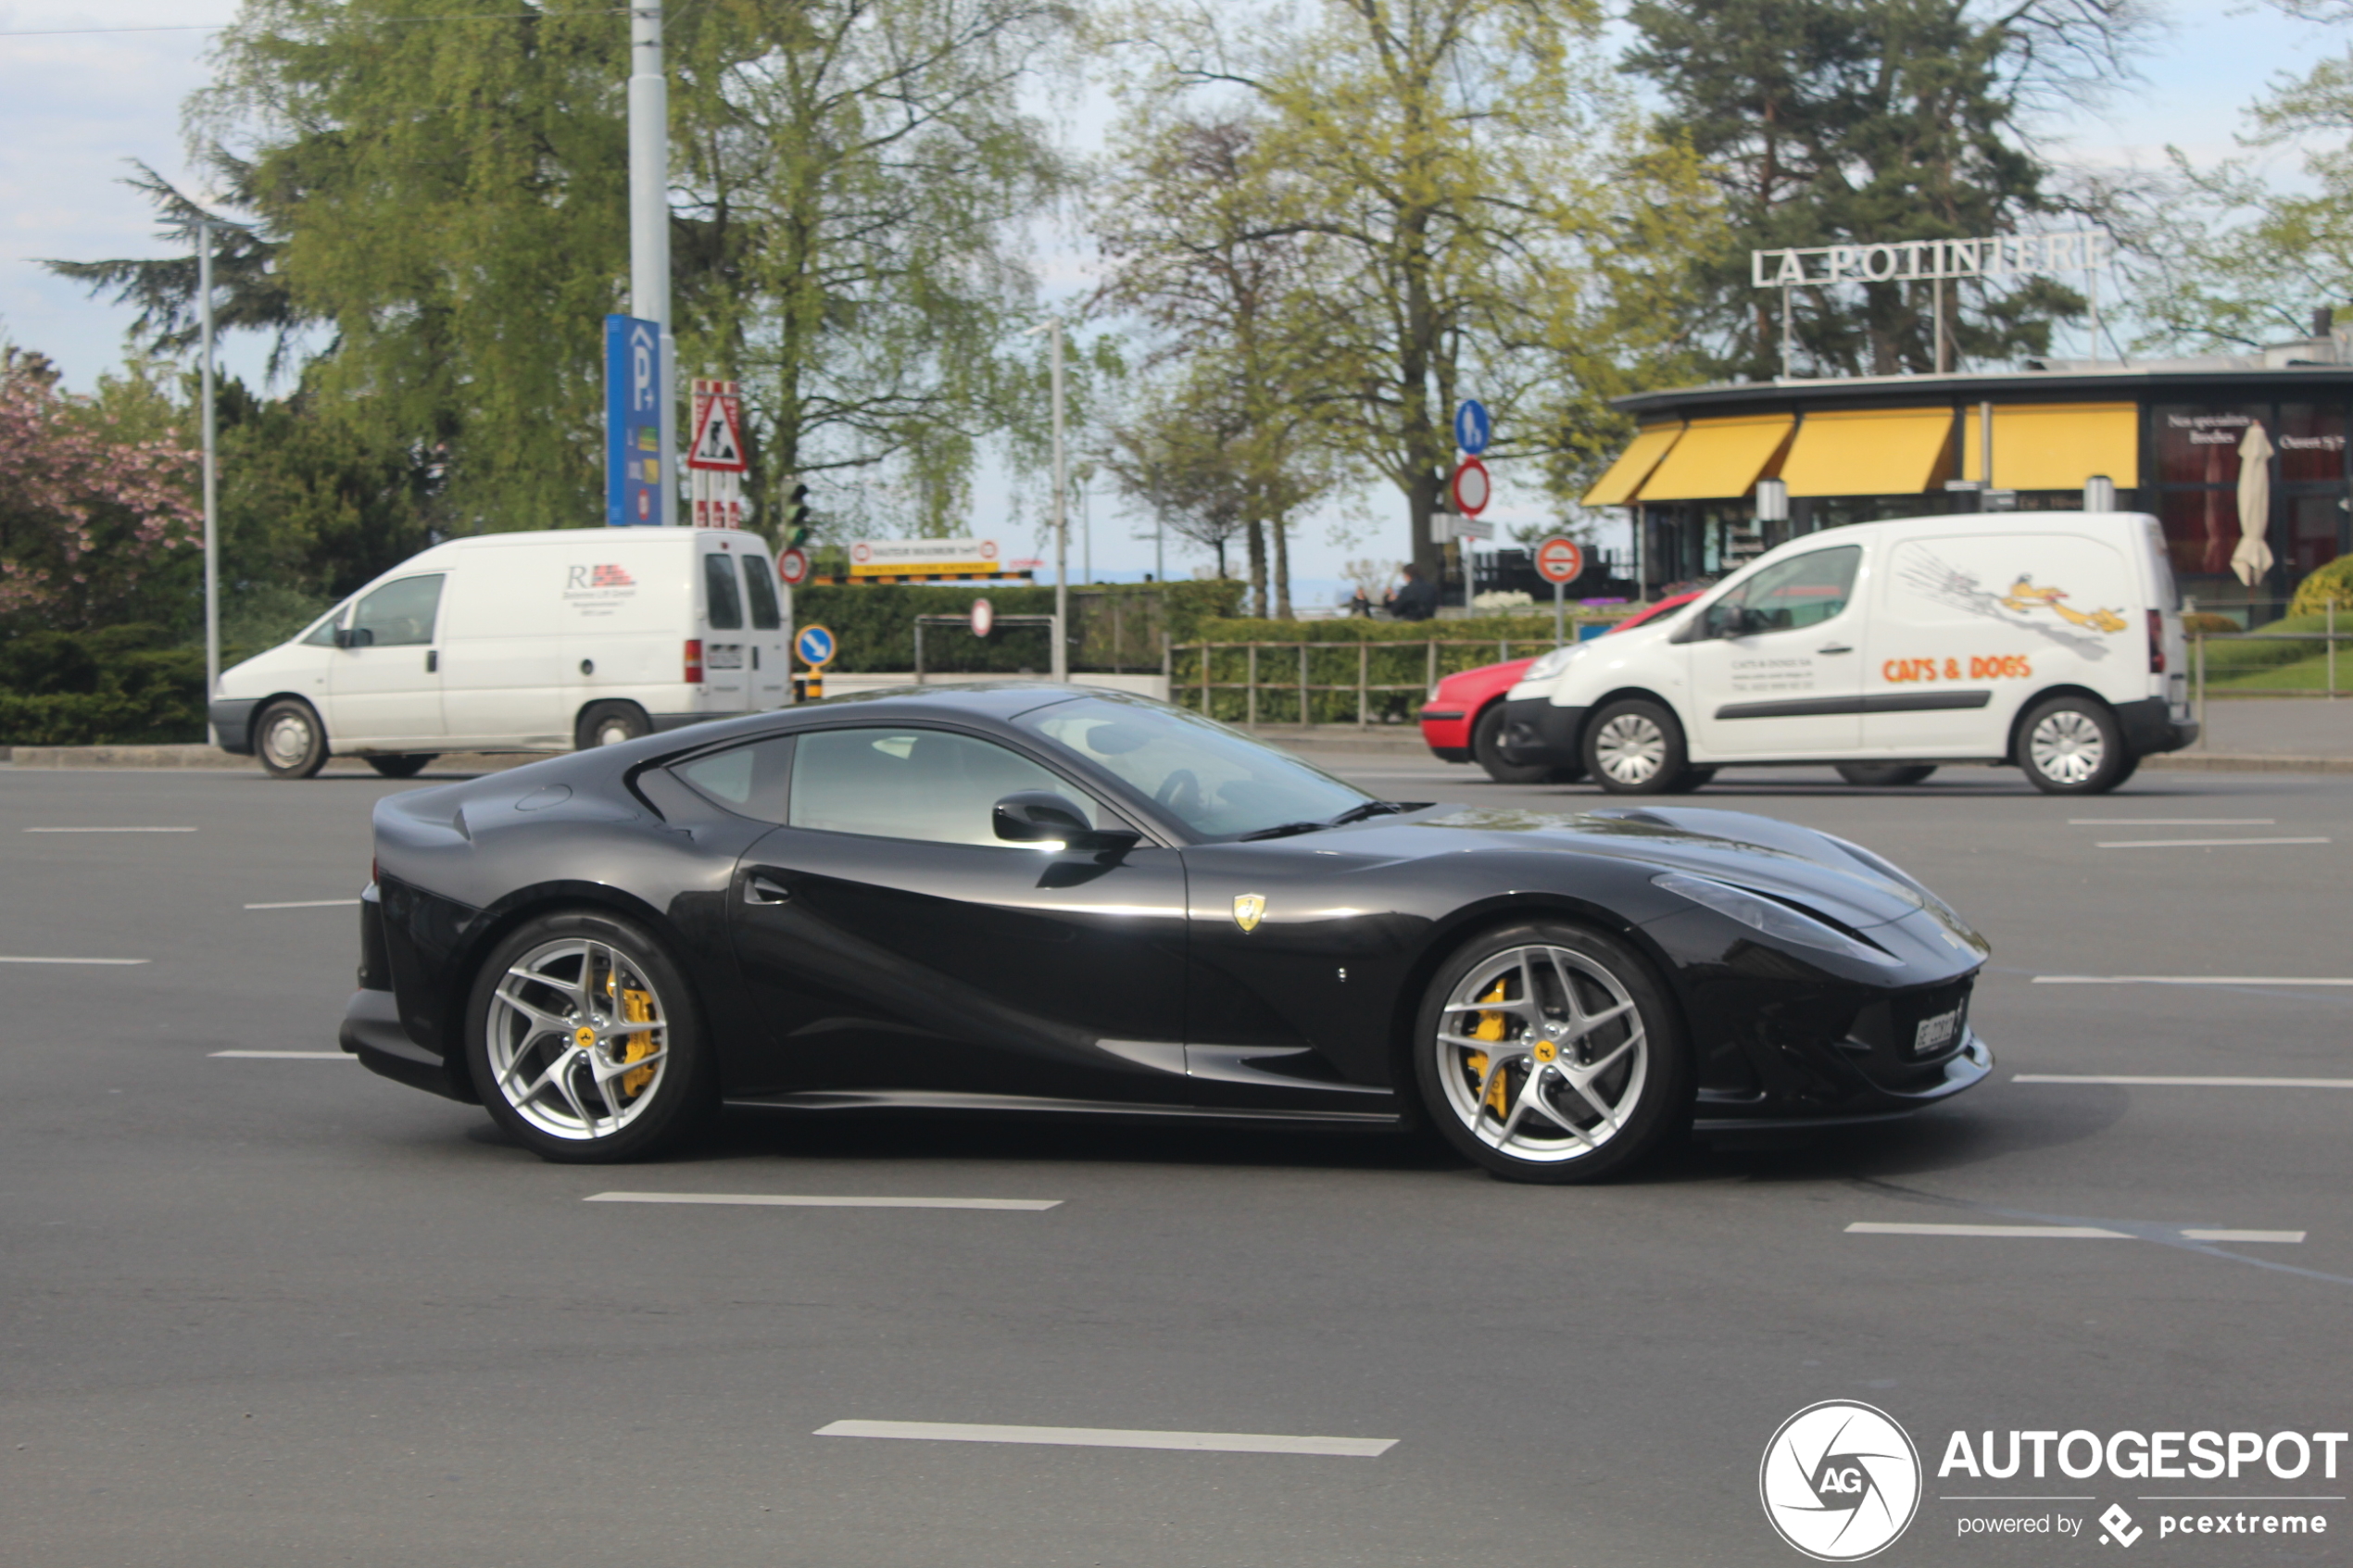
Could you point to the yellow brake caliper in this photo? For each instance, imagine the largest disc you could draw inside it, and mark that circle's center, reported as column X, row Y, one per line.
column 636, row 1007
column 1491, row 1027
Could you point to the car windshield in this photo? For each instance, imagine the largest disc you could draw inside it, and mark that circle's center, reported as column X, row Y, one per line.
column 1217, row 781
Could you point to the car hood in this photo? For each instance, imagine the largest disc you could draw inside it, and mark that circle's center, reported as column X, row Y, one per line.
column 1781, row 858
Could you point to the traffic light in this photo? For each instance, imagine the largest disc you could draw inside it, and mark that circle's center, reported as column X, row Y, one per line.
column 795, row 519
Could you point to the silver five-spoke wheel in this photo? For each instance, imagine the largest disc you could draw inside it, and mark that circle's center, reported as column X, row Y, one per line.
column 1542, row 1053
column 577, row 1038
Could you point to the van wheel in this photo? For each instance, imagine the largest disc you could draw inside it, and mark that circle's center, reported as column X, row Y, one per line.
column 1692, row 778
column 405, row 767
column 1874, row 775
column 610, row 724
column 290, row 741
column 1635, row 748
column 2071, row 746
column 1487, row 750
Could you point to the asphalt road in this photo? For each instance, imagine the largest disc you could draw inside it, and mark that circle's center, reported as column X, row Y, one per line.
column 274, row 1309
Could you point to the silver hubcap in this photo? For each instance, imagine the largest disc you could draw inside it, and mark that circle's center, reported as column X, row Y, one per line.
column 1542, row 1054
column 612, row 731
column 578, row 1044
column 288, row 740
column 2067, row 746
column 1631, row 749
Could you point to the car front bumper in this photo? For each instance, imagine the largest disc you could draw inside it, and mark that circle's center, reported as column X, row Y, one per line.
column 1446, row 731
column 231, row 719
column 1536, row 732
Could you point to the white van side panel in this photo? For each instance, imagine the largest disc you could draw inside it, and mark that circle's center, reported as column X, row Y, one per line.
column 1970, row 625
column 502, row 666
column 627, row 606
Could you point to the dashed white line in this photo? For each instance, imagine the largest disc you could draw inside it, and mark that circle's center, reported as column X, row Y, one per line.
column 2173, row 821
column 799, row 1200
column 109, row 830
column 2198, row 843
column 311, row 904
column 103, row 961
column 1113, row 1438
column 2158, row 1081
column 2287, row 1238
column 2191, row 980
column 291, row 1056
column 2058, row 1233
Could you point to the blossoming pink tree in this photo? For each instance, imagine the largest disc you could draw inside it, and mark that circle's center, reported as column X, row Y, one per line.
column 89, row 512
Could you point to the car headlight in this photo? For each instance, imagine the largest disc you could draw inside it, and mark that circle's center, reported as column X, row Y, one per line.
column 1769, row 916
column 1551, row 664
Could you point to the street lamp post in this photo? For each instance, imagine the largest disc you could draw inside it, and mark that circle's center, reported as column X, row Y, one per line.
column 212, row 481
column 650, row 222
column 1060, row 666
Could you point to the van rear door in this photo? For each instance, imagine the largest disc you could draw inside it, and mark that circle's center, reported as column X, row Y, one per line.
column 771, row 665
column 726, row 657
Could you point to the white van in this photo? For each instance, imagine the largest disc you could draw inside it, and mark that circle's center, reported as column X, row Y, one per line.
column 521, row 642
column 2051, row 641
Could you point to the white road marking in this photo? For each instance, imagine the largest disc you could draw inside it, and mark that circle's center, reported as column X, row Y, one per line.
column 291, row 1056
column 2189, row 979
column 109, row 830
column 2154, row 1081
column 783, row 1200
column 2198, row 843
column 2173, row 821
column 2063, row 1233
column 311, row 904
column 1113, row 1438
column 76, row 960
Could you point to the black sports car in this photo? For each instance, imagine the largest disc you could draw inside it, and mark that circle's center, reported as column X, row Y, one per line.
column 1041, row 898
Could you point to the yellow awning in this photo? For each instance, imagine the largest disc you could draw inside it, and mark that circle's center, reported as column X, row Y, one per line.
column 1624, row 476
column 2058, row 446
column 1870, row 452
column 1719, row 458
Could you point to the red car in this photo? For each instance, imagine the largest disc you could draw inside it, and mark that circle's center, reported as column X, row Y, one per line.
column 1463, row 721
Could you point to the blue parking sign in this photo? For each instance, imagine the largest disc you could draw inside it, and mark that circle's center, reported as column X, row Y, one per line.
column 633, row 423
column 1473, row 429
column 816, row 646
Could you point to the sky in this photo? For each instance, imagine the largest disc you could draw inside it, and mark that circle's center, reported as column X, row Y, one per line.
column 77, row 107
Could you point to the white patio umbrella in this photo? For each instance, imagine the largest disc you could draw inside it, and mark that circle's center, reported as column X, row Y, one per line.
column 2253, row 558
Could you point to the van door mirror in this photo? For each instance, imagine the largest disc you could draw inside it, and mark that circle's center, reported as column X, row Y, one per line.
column 353, row 636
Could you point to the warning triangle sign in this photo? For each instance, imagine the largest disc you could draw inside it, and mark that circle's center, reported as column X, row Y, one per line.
column 719, row 437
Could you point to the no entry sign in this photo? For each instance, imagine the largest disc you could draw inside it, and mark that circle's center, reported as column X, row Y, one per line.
column 793, row 566
column 1471, row 487
column 1560, row 560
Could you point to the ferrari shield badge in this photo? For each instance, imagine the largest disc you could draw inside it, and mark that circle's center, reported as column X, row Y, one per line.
column 1249, row 910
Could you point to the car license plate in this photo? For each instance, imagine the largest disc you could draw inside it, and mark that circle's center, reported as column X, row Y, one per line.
column 726, row 656
column 1934, row 1033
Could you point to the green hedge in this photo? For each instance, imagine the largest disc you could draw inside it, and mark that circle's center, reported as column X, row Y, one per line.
column 2331, row 584
column 121, row 686
column 1113, row 625
column 1396, row 670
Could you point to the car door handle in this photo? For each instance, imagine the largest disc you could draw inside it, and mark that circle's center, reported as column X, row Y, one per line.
column 1835, row 648
column 432, row 661
column 765, row 890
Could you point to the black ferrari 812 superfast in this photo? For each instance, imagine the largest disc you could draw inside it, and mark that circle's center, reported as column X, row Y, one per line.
column 1031, row 897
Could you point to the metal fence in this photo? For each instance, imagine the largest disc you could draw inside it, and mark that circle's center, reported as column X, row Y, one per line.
column 1360, row 683
column 2236, row 658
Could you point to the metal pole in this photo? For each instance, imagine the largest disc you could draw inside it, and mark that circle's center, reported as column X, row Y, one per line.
column 2331, row 606
column 1789, row 353
column 1985, row 451
column 919, row 650
column 2092, row 288
column 1087, row 531
column 211, row 485
column 1560, row 613
column 650, row 219
column 1939, row 324
column 2205, row 739
column 1060, row 668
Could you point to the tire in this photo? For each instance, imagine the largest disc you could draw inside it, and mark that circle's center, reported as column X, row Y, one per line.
column 1487, row 750
column 1691, row 779
column 2072, row 746
column 405, row 767
column 584, row 1103
column 1877, row 775
column 1635, row 748
column 1541, row 1114
column 290, row 741
column 610, row 724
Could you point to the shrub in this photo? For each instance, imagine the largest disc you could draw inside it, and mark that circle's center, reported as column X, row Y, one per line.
column 2331, row 584
column 119, row 687
column 1114, row 625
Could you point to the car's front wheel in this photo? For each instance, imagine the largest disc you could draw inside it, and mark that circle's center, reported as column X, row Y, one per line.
column 1487, row 750
column 289, row 739
column 585, row 1043
column 2074, row 745
column 1635, row 748
column 1550, row 1052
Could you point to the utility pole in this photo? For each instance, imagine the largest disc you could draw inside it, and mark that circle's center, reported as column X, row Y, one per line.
column 649, row 221
column 1060, row 668
column 211, row 482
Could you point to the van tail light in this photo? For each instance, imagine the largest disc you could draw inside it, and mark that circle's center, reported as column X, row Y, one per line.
column 2156, row 642
column 694, row 661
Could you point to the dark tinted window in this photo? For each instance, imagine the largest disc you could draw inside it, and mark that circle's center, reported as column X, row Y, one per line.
column 1216, row 781
column 719, row 588
column 398, row 614
column 765, row 615
column 755, row 780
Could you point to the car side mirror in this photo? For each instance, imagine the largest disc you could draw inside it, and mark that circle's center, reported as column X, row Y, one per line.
column 353, row 636
column 1040, row 816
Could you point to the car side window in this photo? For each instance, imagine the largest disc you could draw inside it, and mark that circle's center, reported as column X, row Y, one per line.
column 753, row 780
column 719, row 587
column 906, row 783
column 1803, row 591
column 399, row 614
column 767, row 616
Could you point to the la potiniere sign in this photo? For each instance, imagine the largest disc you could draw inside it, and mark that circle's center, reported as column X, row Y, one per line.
column 1995, row 256
column 633, row 423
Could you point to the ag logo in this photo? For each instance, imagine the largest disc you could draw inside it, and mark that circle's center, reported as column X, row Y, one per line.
column 1249, row 910
column 1841, row 1481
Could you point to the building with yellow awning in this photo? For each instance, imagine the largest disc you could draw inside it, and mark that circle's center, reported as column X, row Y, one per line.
column 2166, row 436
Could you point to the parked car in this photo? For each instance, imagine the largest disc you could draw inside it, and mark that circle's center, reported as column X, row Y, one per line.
column 1035, row 899
column 521, row 642
column 1463, row 719
column 2049, row 640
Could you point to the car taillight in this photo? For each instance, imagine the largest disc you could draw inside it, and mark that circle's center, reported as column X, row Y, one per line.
column 2156, row 642
column 694, row 661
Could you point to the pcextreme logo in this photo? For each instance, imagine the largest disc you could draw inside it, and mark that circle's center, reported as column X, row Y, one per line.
column 1840, row 1481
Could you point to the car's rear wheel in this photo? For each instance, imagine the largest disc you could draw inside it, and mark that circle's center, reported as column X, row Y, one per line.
column 1550, row 1052
column 584, row 1041
column 610, row 724
column 2074, row 745
column 402, row 767
column 1875, row 775
column 1635, row 748
column 1487, row 750
column 289, row 739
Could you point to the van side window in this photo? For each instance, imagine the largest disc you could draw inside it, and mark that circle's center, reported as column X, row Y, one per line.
column 398, row 614
column 323, row 635
column 765, row 615
column 719, row 587
column 1803, row 591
